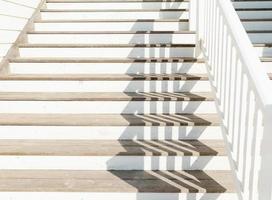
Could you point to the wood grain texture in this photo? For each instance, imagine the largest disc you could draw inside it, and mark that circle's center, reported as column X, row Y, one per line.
column 110, row 120
column 106, row 77
column 105, row 96
column 117, row 181
column 112, row 148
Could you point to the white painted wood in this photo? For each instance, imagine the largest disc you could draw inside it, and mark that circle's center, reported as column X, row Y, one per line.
column 116, row 196
column 104, row 52
column 112, row 26
column 243, row 94
column 264, row 51
column 111, row 132
column 116, row 162
column 106, row 68
column 114, row 15
column 106, row 107
column 111, row 38
column 119, row 5
column 267, row 66
column 105, row 86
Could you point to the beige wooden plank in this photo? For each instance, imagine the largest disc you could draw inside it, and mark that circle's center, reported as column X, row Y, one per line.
column 110, row 119
column 116, row 181
column 105, row 96
column 112, row 148
column 107, row 77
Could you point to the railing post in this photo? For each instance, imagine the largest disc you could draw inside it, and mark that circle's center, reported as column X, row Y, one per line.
column 198, row 24
column 264, row 175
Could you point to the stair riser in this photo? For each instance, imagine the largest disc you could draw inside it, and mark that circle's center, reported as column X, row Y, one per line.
column 116, row 162
column 104, row 107
column 255, row 14
column 106, row 68
column 107, row 52
column 111, row 38
column 261, row 37
column 115, row 196
column 111, row 132
column 268, row 66
column 114, row 15
column 264, row 51
column 129, row 5
column 113, row 26
column 253, row 4
column 255, row 26
column 105, row 86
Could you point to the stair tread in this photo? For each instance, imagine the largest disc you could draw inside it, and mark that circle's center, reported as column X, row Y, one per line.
column 117, row 181
column 110, row 119
column 111, row 32
column 107, row 20
column 112, row 1
column 105, row 60
column 101, row 45
column 105, row 96
column 105, row 77
column 115, row 10
column 112, row 148
column 266, row 59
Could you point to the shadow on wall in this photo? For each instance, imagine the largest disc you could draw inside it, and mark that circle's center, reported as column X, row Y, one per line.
column 154, row 180
column 14, row 15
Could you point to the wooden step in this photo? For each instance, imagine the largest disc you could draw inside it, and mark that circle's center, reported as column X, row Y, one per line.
column 113, row 10
column 109, row 120
column 105, row 77
column 110, row 20
column 118, row 5
column 102, row 45
column 117, row 181
column 105, row 96
column 112, row 148
column 109, row 60
column 111, row 32
column 112, row 1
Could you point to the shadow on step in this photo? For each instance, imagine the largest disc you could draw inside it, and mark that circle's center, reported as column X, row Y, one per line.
column 171, row 181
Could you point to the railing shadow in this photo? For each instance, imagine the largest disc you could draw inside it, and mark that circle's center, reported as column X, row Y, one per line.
column 166, row 178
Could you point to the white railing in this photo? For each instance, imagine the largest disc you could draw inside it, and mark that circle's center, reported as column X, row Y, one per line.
column 243, row 94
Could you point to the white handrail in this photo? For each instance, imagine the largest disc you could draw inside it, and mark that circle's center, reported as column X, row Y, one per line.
column 243, row 94
column 248, row 53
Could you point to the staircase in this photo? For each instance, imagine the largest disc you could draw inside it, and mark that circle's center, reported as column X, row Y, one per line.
column 256, row 17
column 106, row 100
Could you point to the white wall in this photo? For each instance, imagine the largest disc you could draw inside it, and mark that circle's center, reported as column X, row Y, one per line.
column 14, row 15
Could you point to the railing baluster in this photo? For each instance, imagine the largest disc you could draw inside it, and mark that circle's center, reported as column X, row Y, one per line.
column 243, row 93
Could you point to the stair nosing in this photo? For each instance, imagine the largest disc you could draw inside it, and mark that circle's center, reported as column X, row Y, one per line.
column 108, row 60
column 111, row 32
column 117, row 1
column 103, row 45
column 106, row 96
column 185, row 119
column 112, row 10
column 111, row 20
column 107, row 77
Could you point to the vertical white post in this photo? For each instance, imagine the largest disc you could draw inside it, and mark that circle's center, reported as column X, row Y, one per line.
column 197, row 24
column 193, row 15
column 264, row 174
